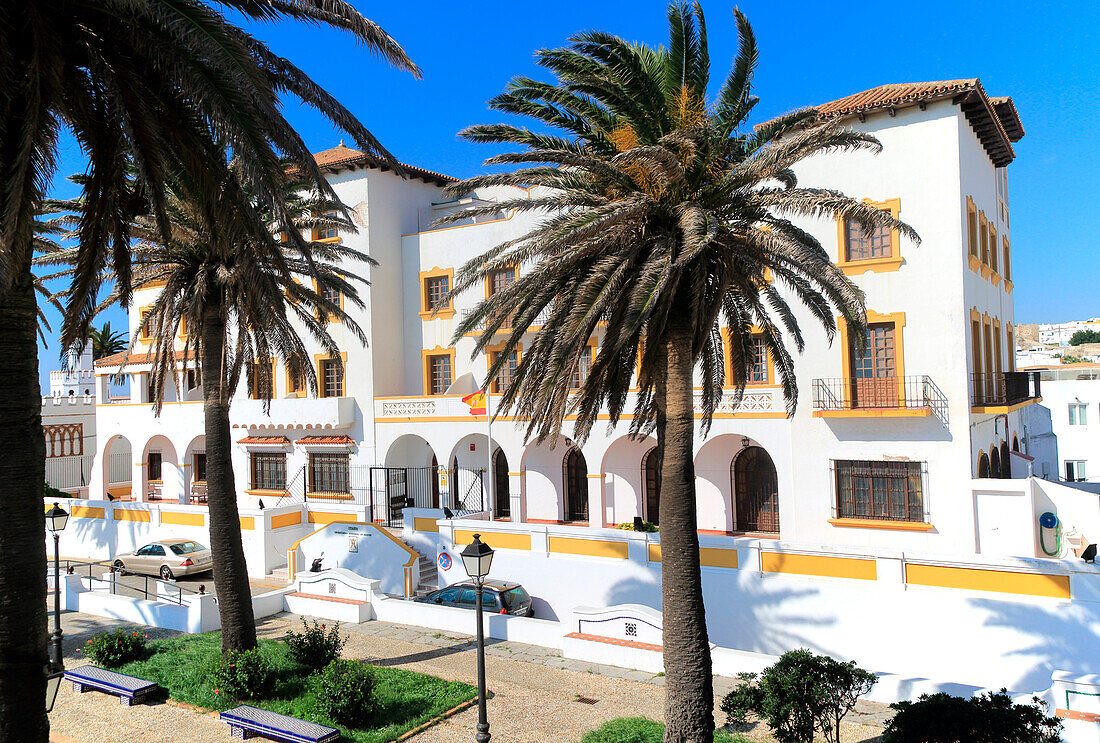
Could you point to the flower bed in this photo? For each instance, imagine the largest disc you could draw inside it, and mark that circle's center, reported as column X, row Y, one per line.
column 403, row 700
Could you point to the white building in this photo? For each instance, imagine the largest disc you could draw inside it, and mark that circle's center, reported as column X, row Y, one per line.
column 1071, row 392
column 69, row 424
column 1060, row 333
column 882, row 451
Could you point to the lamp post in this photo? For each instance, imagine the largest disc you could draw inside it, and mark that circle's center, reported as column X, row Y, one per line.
column 56, row 518
column 477, row 557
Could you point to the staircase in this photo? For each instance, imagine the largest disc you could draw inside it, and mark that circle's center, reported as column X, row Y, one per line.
column 429, row 576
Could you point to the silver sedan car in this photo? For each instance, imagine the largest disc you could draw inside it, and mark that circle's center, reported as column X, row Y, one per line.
column 167, row 558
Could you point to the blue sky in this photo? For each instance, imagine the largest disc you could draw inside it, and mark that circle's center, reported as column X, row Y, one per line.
column 1046, row 58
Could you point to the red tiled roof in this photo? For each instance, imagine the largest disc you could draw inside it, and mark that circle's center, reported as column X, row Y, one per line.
column 995, row 121
column 341, row 156
column 326, row 440
column 264, row 440
column 124, row 357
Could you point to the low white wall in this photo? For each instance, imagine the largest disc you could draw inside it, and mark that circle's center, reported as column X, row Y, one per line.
column 195, row 615
column 452, row 619
column 364, row 549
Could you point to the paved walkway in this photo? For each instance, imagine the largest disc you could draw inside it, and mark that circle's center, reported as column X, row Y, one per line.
column 536, row 692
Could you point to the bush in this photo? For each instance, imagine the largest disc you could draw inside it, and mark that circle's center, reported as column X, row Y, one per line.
column 987, row 718
column 640, row 730
column 247, row 675
column 345, row 692
column 117, row 648
column 646, row 526
column 315, row 647
column 800, row 693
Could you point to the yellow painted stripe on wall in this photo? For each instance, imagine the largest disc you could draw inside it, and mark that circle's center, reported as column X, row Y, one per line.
column 125, row 514
column 286, row 519
column 978, row 579
column 496, row 540
column 248, row 522
column 81, row 512
column 821, row 565
column 326, row 517
column 588, row 547
column 424, row 524
column 183, row 519
column 709, row 557
column 120, row 490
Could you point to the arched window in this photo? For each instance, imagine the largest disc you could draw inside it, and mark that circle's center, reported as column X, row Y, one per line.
column 1015, row 443
column 994, row 463
column 756, row 491
column 575, row 477
column 434, row 477
column 502, row 495
column 983, row 465
column 651, row 477
column 1006, row 461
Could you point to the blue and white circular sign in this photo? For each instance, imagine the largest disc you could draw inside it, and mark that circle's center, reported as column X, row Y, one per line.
column 445, row 561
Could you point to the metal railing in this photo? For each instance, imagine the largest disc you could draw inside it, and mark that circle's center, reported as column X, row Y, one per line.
column 917, row 392
column 66, row 473
column 1005, row 388
column 540, row 319
column 129, row 587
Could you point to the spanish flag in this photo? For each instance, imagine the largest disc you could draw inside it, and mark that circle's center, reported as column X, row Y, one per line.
column 476, row 401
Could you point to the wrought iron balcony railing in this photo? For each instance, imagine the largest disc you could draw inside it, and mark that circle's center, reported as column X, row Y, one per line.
column 1004, row 388
column 884, row 394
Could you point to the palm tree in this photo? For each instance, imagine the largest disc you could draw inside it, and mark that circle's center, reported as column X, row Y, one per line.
column 162, row 86
column 106, row 341
column 665, row 218
column 241, row 301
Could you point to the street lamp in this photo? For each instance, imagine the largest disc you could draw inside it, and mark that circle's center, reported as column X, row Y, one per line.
column 476, row 558
column 56, row 519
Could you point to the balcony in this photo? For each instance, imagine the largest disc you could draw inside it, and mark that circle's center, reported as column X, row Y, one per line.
column 890, row 397
column 1003, row 392
column 540, row 320
column 294, row 413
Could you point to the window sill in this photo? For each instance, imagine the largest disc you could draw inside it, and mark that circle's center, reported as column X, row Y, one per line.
column 328, row 495
column 975, row 264
column 265, row 491
column 336, row 239
column 876, row 524
column 878, row 265
column 1008, row 285
column 441, row 315
column 995, row 278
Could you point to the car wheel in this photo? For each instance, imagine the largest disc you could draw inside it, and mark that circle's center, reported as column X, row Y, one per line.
column 166, row 573
column 120, row 566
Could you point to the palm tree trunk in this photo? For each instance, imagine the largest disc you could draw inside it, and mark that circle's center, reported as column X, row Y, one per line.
column 230, row 568
column 689, row 692
column 23, row 526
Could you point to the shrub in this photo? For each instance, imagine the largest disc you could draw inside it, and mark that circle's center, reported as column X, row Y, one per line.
column 344, row 692
column 800, row 693
column 315, row 647
column 987, row 718
column 646, row 526
column 247, row 675
column 116, row 648
column 641, row 730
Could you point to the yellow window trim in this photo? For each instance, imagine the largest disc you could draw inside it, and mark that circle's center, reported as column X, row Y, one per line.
column 898, row 319
column 271, row 361
column 490, row 356
column 435, row 272
column 145, row 334
column 973, row 249
column 331, row 318
column 425, row 358
column 877, row 265
column 876, row 524
column 755, row 330
column 975, row 264
column 290, row 391
column 489, row 278
column 317, row 359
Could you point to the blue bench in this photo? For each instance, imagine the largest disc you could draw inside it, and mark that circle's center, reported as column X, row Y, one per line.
column 130, row 689
column 246, row 722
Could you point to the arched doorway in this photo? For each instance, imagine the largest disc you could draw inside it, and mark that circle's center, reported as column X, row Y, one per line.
column 502, row 497
column 994, row 463
column 756, row 491
column 651, row 476
column 575, row 478
column 1006, row 461
column 983, row 465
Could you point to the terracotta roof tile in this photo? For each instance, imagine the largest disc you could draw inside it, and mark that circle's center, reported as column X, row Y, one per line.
column 326, row 440
column 264, row 440
column 343, row 156
column 995, row 121
column 125, row 357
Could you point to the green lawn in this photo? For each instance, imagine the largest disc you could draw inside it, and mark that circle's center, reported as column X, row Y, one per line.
column 404, row 699
column 642, row 730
